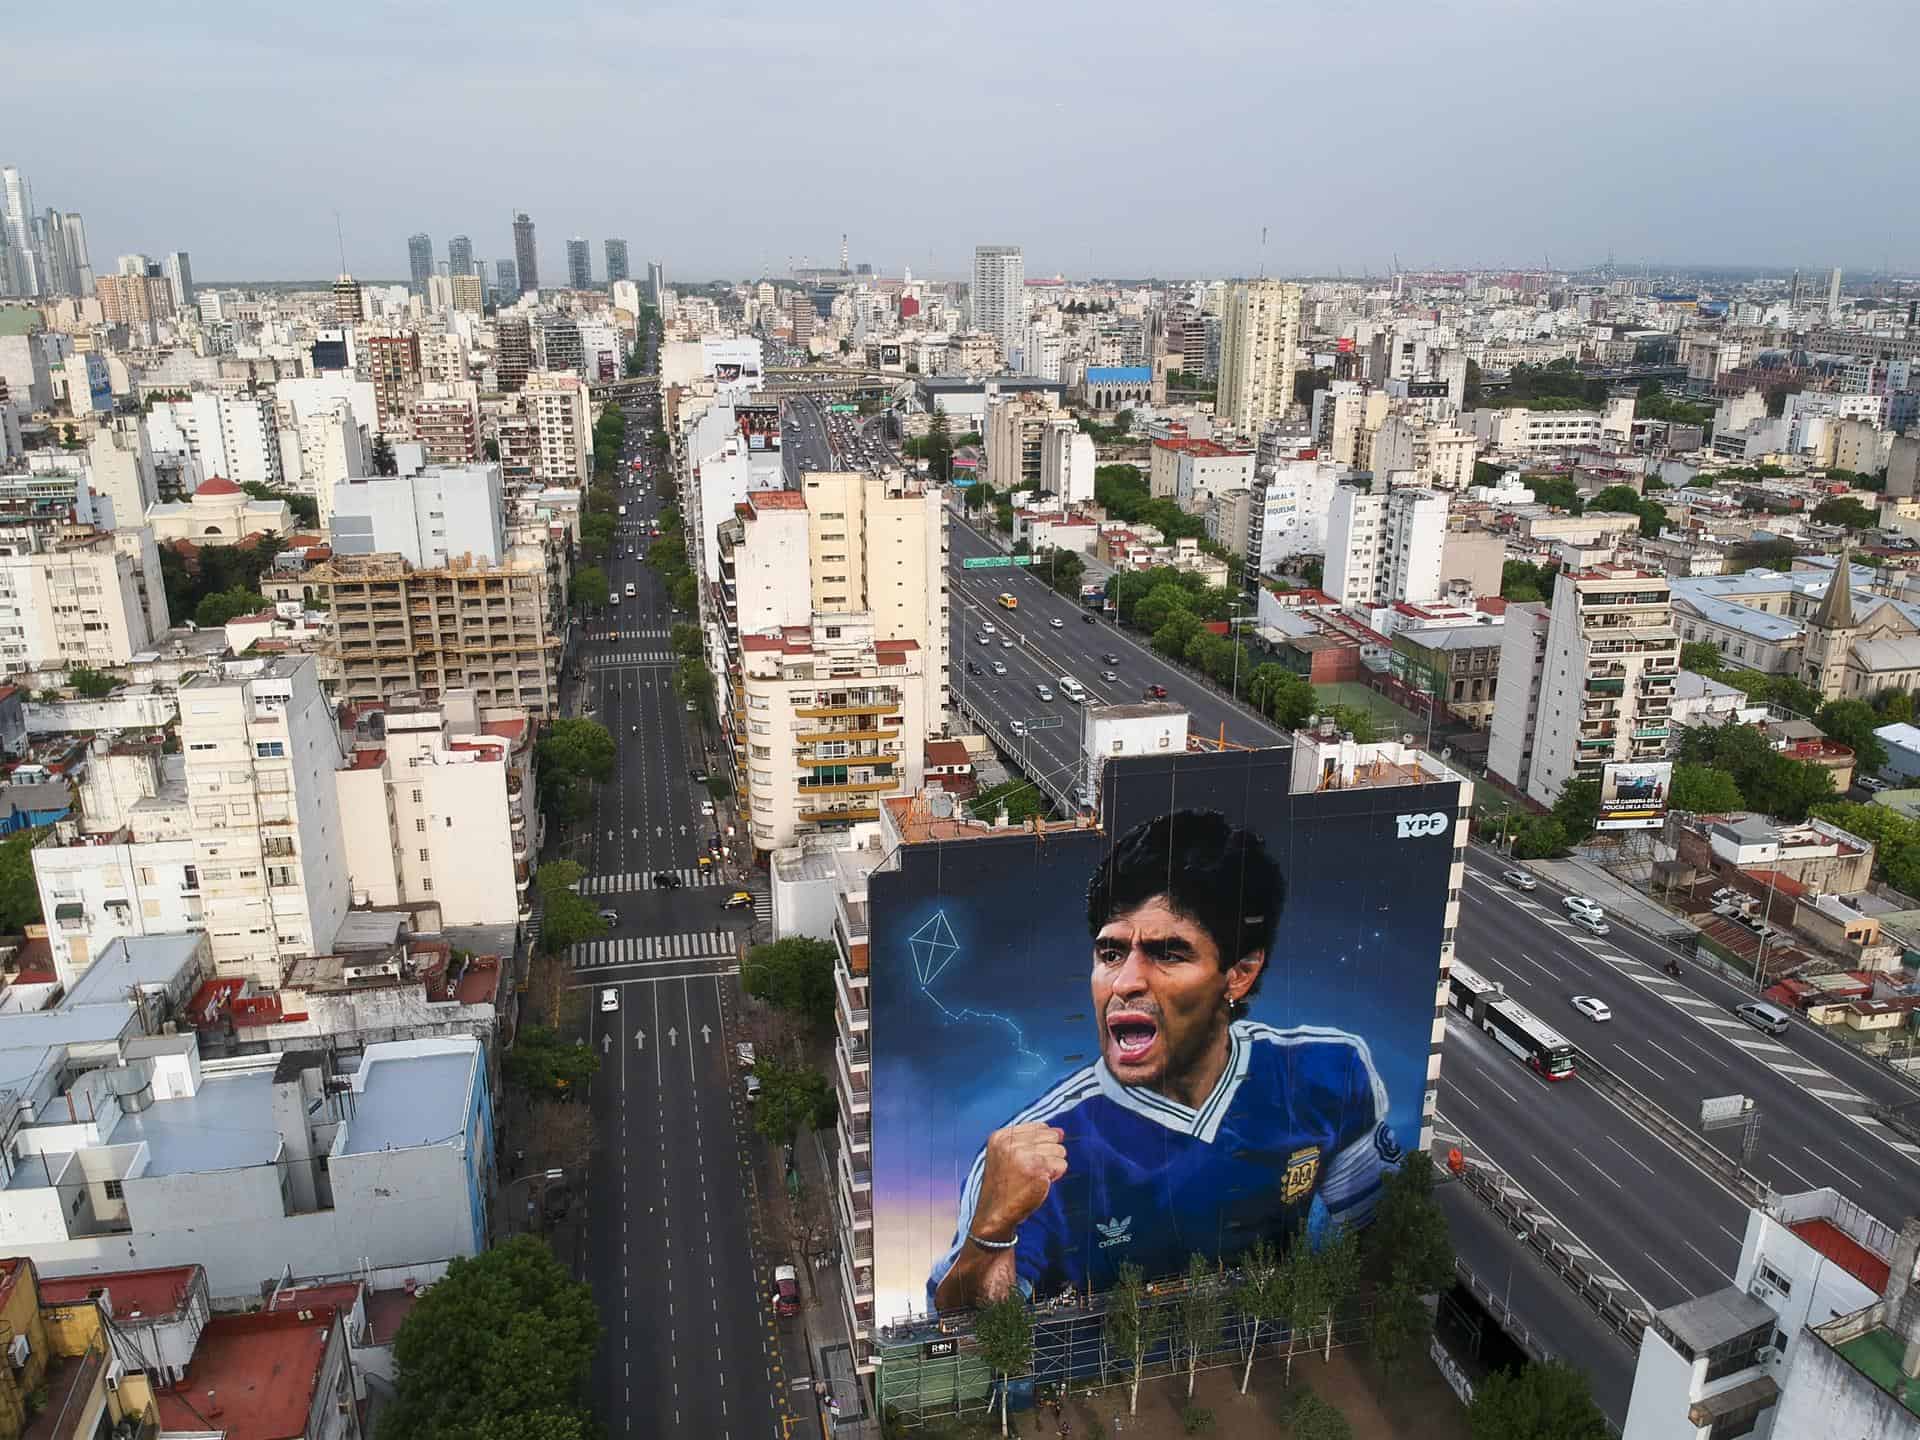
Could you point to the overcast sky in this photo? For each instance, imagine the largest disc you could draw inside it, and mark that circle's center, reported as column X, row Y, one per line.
column 734, row 137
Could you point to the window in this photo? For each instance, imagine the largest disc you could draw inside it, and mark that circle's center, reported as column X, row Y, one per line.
column 113, row 1189
column 1774, row 1278
column 416, row 797
column 270, row 749
column 424, row 856
column 421, row 826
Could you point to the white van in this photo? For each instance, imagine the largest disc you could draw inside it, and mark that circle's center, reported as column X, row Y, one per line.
column 1073, row 690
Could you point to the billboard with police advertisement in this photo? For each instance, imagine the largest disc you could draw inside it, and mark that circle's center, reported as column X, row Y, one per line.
column 1634, row 796
column 1204, row 1023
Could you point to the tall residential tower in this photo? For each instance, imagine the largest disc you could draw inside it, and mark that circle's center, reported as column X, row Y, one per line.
column 523, row 251
column 1000, row 295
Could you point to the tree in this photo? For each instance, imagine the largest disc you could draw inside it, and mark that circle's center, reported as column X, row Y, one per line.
column 1261, row 1295
column 216, row 610
column 1409, row 1230
column 567, row 919
column 563, row 1137
column 1197, row 1316
column 791, row 1097
column 1704, row 791
column 1308, row 1290
column 1022, row 798
column 794, row 974
column 1558, row 491
column 1578, row 808
column 1313, row 1418
column 306, row 509
column 1337, row 1264
column 590, row 587
column 1522, row 582
column 1702, row 657
column 91, row 684
column 1537, row 1402
column 1133, row 1325
column 1171, row 638
column 1539, row 837
column 686, row 642
column 1004, row 1331
column 542, row 1064
column 498, row 1347
column 580, row 747
column 384, row 462
column 19, row 892
column 1845, row 510
column 939, row 448
column 490, row 450
column 1398, row 1317
column 692, row 680
column 1852, row 723
column 1894, row 706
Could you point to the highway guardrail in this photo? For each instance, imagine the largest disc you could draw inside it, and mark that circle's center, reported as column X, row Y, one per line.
column 1682, row 1137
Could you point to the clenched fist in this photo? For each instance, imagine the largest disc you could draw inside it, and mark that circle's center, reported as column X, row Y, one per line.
column 1023, row 1162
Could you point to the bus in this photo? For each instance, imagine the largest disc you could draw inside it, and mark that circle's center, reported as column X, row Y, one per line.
column 1513, row 1027
column 1008, row 600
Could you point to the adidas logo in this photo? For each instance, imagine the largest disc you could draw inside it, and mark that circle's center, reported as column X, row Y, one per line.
column 1114, row 1232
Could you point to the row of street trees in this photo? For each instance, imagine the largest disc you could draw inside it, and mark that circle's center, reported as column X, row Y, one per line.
column 668, row 556
column 1294, row 1298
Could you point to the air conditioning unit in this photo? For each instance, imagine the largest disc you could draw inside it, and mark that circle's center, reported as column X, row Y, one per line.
column 1767, row 1354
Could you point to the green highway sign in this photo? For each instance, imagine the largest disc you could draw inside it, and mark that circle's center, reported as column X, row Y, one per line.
column 842, row 409
column 986, row 562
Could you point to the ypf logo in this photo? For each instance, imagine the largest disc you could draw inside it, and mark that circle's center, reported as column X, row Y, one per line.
column 1414, row 826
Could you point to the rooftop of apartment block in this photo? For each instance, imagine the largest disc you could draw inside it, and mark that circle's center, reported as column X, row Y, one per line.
column 1205, row 448
column 128, row 1295
column 1844, row 1232
column 252, row 1377
column 917, row 820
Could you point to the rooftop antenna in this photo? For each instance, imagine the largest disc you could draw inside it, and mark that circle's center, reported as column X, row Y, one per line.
column 341, row 236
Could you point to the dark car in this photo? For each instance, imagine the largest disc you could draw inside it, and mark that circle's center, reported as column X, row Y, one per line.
column 666, row 880
column 1089, row 617
column 973, row 668
column 699, row 776
column 1109, row 659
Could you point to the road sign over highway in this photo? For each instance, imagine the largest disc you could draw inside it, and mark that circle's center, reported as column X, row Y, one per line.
column 997, row 562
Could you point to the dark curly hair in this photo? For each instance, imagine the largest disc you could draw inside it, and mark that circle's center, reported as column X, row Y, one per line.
column 1212, row 872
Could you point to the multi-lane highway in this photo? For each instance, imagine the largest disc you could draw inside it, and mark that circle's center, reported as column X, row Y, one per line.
column 690, row 1345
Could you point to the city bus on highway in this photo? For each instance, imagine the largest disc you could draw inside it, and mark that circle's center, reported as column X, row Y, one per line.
column 1008, row 600
column 1513, row 1027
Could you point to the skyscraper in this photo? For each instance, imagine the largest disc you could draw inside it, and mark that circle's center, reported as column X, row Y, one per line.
column 346, row 301
column 17, row 217
column 419, row 262
column 1258, row 340
column 656, row 281
column 616, row 261
column 1000, row 295
column 460, row 256
column 506, row 284
column 523, row 251
column 179, row 271
column 579, row 264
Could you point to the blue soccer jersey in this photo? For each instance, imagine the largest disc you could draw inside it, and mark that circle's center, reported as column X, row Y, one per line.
column 1296, row 1129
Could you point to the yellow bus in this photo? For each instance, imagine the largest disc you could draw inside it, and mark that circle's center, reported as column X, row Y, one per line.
column 1008, row 601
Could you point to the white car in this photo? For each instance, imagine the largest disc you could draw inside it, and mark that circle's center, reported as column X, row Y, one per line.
column 1057, row 623
column 999, row 667
column 1590, row 923
column 609, row 999
column 1519, row 879
column 987, row 628
column 1580, row 907
column 706, row 807
column 1592, row 1007
column 1006, row 643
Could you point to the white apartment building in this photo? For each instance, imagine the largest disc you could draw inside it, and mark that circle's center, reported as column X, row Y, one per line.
column 84, row 597
column 236, row 437
column 1287, row 512
column 1585, row 682
column 324, row 447
column 1260, row 337
column 1385, row 547
column 437, row 515
column 270, row 851
column 1000, row 296
column 120, row 467
column 1448, row 459
column 1789, row 1348
column 1067, row 462
column 1521, row 431
column 439, row 813
column 834, row 723
column 556, row 405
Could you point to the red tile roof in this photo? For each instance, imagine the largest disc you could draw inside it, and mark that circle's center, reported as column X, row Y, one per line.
column 218, row 485
column 776, row 500
column 947, row 752
column 252, row 1377
column 130, row 1294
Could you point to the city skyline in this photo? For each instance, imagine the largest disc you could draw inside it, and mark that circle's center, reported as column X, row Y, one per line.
column 1324, row 172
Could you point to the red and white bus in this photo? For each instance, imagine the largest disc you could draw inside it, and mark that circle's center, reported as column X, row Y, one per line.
column 1513, row 1027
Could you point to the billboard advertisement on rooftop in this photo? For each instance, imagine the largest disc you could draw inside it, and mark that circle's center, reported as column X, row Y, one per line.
column 1204, row 1023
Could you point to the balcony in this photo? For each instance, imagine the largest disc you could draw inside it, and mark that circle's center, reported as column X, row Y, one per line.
column 849, row 787
column 1650, row 732
column 1607, row 685
column 835, row 712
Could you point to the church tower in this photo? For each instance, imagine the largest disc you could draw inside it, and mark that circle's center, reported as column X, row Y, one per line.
column 1830, row 632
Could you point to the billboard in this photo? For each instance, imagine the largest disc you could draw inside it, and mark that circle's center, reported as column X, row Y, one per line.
column 1634, row 796
column 1201, row 1024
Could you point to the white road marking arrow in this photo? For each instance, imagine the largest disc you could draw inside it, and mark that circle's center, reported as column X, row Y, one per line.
column 606, row 1043
column 639, row 1039
column 673, row 1037
column 706, row 1033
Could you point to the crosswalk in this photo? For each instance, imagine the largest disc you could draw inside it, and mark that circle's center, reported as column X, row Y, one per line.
column 617, row 635
column 633, row 881
column 634, row 657
column 763, row 907
column 638, row 949
column 1784, row 1062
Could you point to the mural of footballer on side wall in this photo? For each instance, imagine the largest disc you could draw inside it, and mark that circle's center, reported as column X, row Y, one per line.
column 1187, row 1033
